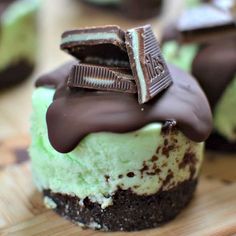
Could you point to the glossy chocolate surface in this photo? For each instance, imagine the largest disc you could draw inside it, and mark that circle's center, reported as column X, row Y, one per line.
column 75, row 113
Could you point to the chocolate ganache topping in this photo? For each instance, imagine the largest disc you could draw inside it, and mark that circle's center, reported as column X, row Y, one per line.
column 75, row 113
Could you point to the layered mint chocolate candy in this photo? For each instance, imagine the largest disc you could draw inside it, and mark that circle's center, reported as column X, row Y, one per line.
column 207, row 48
column 103, row 157
column 18, row 40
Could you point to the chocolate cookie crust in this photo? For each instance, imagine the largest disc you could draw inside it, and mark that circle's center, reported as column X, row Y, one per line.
column 129, row 212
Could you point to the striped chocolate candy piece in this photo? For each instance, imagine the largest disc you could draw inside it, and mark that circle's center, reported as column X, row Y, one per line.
column 147, row 63
column 101, row 78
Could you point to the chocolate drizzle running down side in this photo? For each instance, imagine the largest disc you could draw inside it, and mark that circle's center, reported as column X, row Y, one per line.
column 75, row 113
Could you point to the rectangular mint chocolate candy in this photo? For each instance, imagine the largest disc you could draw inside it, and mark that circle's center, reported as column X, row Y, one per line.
column 147, row 63
column 103, row 45
column 101, row 78
column 110, row 34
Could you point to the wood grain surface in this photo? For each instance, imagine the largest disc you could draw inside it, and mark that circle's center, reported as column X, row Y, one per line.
column 211, row 213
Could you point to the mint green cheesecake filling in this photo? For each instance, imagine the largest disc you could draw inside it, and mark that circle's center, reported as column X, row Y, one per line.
column 104, row 162
column 18, row 32
column 225, row 113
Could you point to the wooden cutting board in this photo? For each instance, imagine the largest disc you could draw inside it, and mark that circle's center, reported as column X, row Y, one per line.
column 211, row 213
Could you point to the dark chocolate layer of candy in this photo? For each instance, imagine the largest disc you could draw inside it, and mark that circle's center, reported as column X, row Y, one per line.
column 15, row 73
column 184, row 102
column 101, row 78
column 129, row 212
column 147, row 63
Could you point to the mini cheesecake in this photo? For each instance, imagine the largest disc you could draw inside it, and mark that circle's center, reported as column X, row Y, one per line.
column 18, row 41
column 211, row 57
column 102, row 156
column 110, row 179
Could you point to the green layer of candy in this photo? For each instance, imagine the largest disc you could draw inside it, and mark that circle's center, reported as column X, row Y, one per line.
column 136, row 50
column 18, row 32
column 100, row 156
column 89, row 36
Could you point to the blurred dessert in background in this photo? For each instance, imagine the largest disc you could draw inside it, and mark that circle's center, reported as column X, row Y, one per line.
column 135, row 9
column 103, row 3
column 18, row 40
column 204, row 42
